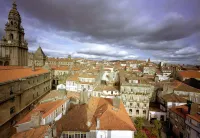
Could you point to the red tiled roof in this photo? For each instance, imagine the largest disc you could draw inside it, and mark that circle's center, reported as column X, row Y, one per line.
column 182, row 110
column 53, row 94
column 33, row 133
column 110, row 119
column 73, row 95
column 189, row 74
column 10, row 67
column 73, row 77
column 61, row 68
column 14, row 74
column 174, row 98
column 180, row 86
column 45, row 108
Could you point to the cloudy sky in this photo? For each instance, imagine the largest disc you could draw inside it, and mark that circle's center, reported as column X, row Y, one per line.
column 167, row 30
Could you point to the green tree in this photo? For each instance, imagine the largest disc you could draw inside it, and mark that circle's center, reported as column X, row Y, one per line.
column 140, row 134
column 156, row 130
column 157, row 124
column 139, row 122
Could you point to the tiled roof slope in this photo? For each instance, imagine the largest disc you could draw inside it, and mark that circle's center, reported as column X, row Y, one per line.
column 189, row 74
column 180, row 86
column 182, row 110
column 174, row 98
column 45, row 108
column 14, row 74
column 78, row 118
column 33, row 133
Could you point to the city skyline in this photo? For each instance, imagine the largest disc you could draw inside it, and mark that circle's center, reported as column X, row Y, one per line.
column 162, row 31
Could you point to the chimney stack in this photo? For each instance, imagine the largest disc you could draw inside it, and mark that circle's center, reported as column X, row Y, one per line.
column 116, row 102
column 84, row 97
column 35, row 119
column 189, row 103
column 98, row 124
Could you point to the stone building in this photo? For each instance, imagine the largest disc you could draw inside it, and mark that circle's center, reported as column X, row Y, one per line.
column 136, row 93
column 61, row 61
column 13, row 46
column 177, row 116
column 19, row 91
column 38, row 57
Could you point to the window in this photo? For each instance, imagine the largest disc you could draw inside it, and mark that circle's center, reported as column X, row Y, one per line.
column 83, row 135
column 11, row 91
column 137, row 112
column 12, row 110
column 130, row 111
column 11, row 36
column 138, row 104
column 144, row 112
column 65, row 135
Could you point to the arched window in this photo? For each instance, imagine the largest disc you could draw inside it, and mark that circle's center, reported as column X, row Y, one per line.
column 11, row 23
column 11, row 36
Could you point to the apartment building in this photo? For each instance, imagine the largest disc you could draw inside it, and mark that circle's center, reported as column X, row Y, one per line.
column 136, row 93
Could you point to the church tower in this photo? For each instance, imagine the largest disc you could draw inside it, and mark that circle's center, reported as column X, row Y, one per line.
column 13, row 46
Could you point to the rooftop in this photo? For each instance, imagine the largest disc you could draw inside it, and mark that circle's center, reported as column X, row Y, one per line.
column 182, row 110
column 180, row 86
column 174, row 98
column 33, row 133
column 189, row 74
column 44, row 108
column 110, row 118
column 16, row 73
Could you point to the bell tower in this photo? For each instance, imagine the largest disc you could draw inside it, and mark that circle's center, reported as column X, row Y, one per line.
column 13, row 45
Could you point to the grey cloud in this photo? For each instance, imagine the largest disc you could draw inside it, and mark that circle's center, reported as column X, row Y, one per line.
column 107, row 20
column 118, row 23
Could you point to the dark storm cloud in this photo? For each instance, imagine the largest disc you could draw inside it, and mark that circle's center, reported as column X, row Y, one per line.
column 125, row 23
column 110, row 22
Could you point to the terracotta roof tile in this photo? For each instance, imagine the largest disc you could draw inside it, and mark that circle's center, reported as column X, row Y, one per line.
column 18, row 73
column 73, row 77
column 61, row 68
column 173, row 98
column 180, row 86
column 189, row 74
column 33, row 133
column 182, row 110
column 53, row 94
column 79, row 116
column 45, row 108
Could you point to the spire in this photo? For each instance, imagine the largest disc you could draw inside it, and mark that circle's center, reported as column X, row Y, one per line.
column 14, row 4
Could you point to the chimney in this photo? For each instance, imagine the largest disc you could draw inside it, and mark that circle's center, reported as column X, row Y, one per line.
column 189, row 103
column 98, row 124
column 116, row 102
column 84, row 97
column 35, row 119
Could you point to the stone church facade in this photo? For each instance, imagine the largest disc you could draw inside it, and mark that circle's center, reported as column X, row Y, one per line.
column 39, row 58
column 13, row 46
